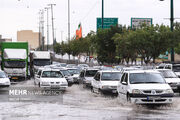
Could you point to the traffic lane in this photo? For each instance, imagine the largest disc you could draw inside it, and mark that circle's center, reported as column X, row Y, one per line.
column 79, row 103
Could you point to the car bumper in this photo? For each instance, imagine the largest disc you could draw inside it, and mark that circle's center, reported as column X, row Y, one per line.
column 152, row 99
column 59, row 87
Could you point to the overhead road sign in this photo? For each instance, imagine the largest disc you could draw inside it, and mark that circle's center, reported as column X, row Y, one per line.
column 138, row 22
column 107, row 22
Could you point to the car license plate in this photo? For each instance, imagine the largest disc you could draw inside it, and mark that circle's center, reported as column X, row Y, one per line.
column 14, row 78
column 55, row 86
column 153, row 97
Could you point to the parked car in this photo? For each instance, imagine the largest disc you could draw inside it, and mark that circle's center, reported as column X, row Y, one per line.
column 51, row 79
column 144, row 87
column 171, row 78
column 106, row 81
column 86, row 76
column 4, row 80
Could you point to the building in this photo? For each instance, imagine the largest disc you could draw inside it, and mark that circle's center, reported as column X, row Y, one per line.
column 5, row 39
column 29, row 36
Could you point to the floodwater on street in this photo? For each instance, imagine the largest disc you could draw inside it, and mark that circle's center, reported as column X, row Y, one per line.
column 81, row 104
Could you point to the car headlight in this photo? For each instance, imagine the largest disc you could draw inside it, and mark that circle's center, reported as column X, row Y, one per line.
column 136, row 91
column 168, row 91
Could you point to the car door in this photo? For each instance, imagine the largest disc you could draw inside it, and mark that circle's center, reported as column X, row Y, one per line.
column 123, row 86
column 96, row 80
column 38, row 76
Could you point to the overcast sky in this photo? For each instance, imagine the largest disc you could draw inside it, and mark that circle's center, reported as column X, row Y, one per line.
column 23, row 15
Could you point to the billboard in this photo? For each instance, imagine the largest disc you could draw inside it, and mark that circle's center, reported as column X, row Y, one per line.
column 107, row 22
column 137, row 22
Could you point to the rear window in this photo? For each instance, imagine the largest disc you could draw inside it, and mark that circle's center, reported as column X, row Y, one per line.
column 52, row 74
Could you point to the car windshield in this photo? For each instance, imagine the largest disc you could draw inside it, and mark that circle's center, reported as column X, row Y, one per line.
column 65, row 72
column 90, row 73
column 111, row 76
column 73, row 71
column 2, row 75
column 14, row 64
column 41, row 62
column 168, row 74
column 52, row 74
column 140, row 78
column 176, row 68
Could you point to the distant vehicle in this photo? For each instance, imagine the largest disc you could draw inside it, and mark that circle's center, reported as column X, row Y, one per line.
column 174, row 67
column 129, row 69
column 39, row 59
column 74, row 73
column 15, row 59
column 71, row 65
column 83, row 65
column 50, row 79
column 4, row 80
column 144, row 87
column 106, row 81
column 171, row 78
column 67, row 75
column 86, row 76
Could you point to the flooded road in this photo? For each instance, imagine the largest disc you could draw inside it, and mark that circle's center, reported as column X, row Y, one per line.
column 81, row 104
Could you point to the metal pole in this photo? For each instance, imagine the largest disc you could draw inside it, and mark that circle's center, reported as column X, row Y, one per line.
column 172, row 27
column 40, row 30
column 42, row 13
column 102, row 14
column 54, row 41
column 68, row 20
column 47, row 28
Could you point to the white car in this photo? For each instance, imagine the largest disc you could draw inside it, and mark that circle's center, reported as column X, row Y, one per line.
column 4, row 80
column 74, row 73
column 171, row 78
column 106, row 81
column 51, row 79
column 144, row 87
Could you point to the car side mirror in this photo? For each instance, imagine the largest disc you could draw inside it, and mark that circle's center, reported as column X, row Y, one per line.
column 124, row 83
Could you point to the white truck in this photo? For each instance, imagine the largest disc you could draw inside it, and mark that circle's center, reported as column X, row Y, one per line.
column 39, row 59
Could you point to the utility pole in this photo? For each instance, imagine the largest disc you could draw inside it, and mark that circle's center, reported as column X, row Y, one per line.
column 47, row 10
column 42, row 22
column 172, row 27
column 102, row 14
column 68, row 20
column 40, row 30
column 171, row 24
column 54, row 41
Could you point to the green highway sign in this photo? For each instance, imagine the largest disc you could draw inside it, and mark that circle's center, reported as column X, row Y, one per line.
column 107, row 22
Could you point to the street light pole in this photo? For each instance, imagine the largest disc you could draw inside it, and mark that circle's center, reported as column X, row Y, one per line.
column 54, row 41
column 102, row 14
column 47, row 9
column 172, row 28
column 68, row 20
column 172, row 25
